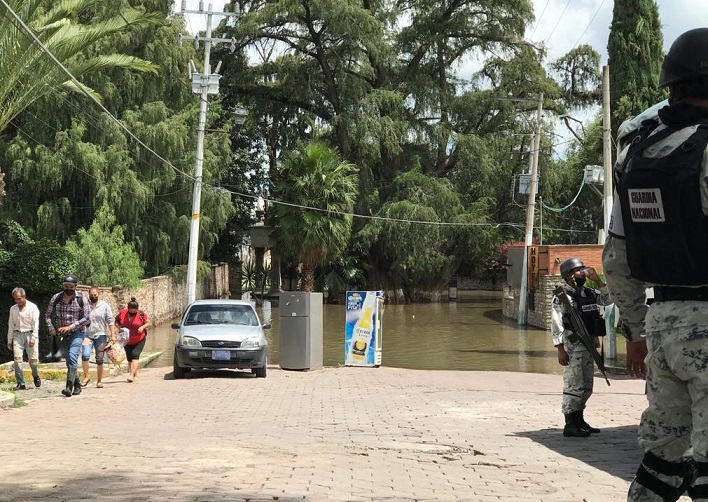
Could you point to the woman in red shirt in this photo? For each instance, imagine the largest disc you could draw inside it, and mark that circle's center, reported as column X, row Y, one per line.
column 137, row 322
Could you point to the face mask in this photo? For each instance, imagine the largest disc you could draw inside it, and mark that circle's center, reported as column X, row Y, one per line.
column 132, row 313
column 579, row 281
column 70, row 292
column 93, row 299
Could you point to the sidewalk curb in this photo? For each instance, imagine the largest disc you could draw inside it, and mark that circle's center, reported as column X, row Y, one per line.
column 7, row 399
column 6, row 368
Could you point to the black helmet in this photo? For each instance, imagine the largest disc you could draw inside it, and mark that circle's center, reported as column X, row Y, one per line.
column 569, row 265
column 687, row 58
column 70, row 279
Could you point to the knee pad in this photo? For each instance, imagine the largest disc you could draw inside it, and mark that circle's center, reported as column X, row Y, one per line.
column 682, row 471
column 696, row 491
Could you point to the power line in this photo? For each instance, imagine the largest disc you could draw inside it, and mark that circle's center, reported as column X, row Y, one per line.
column 589, row 24
column 538, row 22
column 558, row 22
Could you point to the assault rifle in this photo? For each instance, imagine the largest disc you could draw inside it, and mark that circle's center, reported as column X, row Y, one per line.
column 581, row 330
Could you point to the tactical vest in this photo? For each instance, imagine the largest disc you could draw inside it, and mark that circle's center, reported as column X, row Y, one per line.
column 589, row 312
column 665, row 230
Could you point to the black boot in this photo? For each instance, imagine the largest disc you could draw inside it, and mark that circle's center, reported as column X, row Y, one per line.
column 584, row 425
column 77, row 386
column 70, row 377
column 571, row 428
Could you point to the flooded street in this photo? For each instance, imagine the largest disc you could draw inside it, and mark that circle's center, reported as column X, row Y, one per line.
column 465, row 335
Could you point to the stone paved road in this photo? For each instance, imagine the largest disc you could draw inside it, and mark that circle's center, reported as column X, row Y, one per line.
column 337, row 434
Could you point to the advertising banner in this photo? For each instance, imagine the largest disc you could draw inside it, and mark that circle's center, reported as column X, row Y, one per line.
column 361, row 331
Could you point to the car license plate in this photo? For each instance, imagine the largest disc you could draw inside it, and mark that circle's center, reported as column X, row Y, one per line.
column 220, row 355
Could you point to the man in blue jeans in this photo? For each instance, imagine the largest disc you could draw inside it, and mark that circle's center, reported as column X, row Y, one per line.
column 68, row 315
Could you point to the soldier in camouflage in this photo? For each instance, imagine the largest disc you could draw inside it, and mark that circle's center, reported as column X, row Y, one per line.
column 578, row 376
column 658, row 237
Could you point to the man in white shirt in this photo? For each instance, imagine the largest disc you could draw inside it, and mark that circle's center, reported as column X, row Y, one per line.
column 22, row 335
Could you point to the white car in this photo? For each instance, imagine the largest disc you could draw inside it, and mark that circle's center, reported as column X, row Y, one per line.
column 220, row 334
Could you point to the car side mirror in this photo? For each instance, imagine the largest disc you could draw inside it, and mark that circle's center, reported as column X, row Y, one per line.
column 175, row 325
column 267, row 326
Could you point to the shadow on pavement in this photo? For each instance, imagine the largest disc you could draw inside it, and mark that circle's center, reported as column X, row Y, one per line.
column 117, row 487
column 199, row 374
column 614, row 451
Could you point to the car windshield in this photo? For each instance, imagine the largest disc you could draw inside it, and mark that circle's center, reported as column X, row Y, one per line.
column 221, row 314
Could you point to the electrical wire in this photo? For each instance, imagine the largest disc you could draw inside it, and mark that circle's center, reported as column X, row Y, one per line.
column 540, row 18
column 558, row 22
column 561, row 209
column 589, row 24
column 122, row 126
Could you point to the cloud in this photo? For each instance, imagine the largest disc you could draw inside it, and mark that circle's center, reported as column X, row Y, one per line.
column 561, row 31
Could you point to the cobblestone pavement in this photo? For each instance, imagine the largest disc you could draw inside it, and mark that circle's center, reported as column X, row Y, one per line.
column 337, row 434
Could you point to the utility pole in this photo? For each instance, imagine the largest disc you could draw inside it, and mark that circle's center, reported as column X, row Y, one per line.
column 204, row 83
column 530, row 209
column 607, row 190
column 606, row 149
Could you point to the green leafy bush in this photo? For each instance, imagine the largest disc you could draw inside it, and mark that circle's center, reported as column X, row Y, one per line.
column 102, row 256
column 36, row 266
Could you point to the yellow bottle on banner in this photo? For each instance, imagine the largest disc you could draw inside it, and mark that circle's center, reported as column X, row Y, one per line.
column 361, row 337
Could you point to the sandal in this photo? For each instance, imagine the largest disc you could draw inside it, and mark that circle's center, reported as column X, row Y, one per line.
column 85, row 381
column 130, row 379
column 99, row 385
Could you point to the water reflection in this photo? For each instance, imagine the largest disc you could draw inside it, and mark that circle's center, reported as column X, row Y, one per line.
column 467, row 335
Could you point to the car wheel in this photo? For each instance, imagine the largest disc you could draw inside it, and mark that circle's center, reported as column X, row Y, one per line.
column 260, row 372
column 177, row 372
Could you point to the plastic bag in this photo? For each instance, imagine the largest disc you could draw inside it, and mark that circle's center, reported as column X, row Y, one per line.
column 123, row 336
column 115, row 353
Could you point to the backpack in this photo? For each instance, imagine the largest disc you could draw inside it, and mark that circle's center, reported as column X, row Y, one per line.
column 79, row 299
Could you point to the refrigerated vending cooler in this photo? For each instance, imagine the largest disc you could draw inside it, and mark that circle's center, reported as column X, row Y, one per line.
column 363, row 328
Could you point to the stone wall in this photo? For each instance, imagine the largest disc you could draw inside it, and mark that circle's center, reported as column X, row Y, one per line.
column 480, row 284
column 163, row 299
column 538, row 312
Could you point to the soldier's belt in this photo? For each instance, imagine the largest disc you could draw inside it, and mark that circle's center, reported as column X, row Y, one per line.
column 677, row 294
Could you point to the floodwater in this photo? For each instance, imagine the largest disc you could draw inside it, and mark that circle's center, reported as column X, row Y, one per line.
column 466, row 335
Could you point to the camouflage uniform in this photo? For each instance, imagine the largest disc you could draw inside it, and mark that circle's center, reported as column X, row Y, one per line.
column 676, row 334
column 578, row 376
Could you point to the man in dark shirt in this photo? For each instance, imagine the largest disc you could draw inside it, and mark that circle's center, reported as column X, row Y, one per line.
column 67, row 316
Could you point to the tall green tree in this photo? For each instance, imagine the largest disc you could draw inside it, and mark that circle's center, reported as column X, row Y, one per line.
column 635, row 49
column 314, row 176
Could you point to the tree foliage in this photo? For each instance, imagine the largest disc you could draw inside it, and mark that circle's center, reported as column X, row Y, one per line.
column 65, row 158
column 635, row 49
column 316, row 225
column 65, row 29
column 102, row 256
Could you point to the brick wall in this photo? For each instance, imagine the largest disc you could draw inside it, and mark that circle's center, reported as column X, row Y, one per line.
column 539, row 300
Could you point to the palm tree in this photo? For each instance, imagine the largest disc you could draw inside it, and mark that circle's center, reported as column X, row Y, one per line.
column 322, row 189
column 27, row 73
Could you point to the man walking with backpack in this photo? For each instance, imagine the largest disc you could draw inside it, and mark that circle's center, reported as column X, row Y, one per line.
column 67, row 316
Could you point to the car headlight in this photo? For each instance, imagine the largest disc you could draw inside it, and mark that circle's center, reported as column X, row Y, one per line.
column 188, row 341
column 250, row 343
